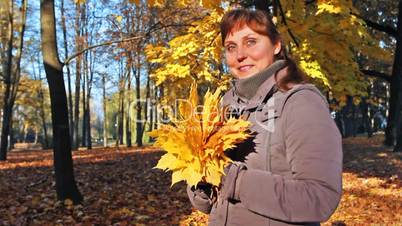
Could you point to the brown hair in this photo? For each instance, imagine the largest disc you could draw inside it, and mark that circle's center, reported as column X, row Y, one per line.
column 261, row 22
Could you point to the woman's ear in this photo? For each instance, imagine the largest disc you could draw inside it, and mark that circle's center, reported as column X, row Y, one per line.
column 277, row 48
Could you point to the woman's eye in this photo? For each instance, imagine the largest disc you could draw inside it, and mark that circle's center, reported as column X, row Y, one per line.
column 251, row 42
column 230, row 48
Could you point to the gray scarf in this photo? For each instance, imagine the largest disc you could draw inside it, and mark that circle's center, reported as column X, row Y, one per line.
column 247, row 87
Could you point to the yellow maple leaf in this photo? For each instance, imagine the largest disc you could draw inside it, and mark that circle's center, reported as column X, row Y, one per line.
column 119, row 18
column 79, row 2
column 210, row 4
column 137, row 2
column 196, row 143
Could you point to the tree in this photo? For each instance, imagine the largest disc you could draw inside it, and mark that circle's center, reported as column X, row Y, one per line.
column 323, row 36
column 384, row 18
column 70, row 96
column 395, row 105
column 79, row 14
column 66, row 187
column 12, row 69
column 396, row 87
column 104, row 107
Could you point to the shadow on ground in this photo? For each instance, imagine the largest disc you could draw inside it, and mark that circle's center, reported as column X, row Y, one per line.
column 369, row 158
column 121, row 188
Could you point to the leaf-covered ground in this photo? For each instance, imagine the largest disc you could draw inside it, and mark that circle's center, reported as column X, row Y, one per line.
column 121, row 188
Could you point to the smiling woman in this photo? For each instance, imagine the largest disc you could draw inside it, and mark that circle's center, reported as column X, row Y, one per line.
column 290, row 170
column 253, row 37
column 248, row 52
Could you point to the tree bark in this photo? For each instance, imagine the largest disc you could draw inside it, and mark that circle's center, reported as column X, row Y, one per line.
column 364, row 108
column 398, row 146
column 128, row 115
column 156, row 108
column 43, row 118
column 104, row 110
column 70, row 96
column 262, row 5
column 88, row 102
column 42, row 110
column 395, row 87
column 120, row 113
column 66, row 187
column 85, row 84
column 84, row 110
column 120, row 129
column 11, row 77
column 139, row 124
column 7, row 64
column 77, row 76
column 148, row 103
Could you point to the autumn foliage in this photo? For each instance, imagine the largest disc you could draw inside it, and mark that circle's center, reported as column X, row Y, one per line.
column 196, row 141
column 121, row 188
column 324, row 37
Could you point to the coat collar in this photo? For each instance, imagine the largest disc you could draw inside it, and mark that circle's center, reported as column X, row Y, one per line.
column 247, row 88
column 269, row 85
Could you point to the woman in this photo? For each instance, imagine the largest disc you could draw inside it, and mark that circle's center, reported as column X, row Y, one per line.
column 290, row 171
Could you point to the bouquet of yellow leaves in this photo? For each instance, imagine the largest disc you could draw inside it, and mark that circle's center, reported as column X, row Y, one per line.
column 196, row 141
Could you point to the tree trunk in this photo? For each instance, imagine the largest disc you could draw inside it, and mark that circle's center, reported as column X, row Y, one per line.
column 43, row 118
column 348, row 113
column 11, row 136
column 7, row 64
column 78, row 44
column 398, row 146
column 42, row 111
column 364, row 108
column 262, row 5
column 66, row 187
column 85, row 84
column 156, row 107
column 104, row 110
column 120, row 115
column 129, row 65
column 139, row 124
column 90, row 72
column 84, row 110
column 44, row 126
column 70, row 96
column 11, row 77
column 36, row 136
column 128, row 115
column 88, row 113
column 395, row 87
column 148, row 103
column 117, row 130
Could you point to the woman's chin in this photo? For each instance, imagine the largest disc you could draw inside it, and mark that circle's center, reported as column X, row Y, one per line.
column 245, row 74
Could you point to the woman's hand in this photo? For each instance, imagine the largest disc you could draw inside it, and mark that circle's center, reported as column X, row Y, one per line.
column 202, row 196
column 229, row 188
column 203, row 189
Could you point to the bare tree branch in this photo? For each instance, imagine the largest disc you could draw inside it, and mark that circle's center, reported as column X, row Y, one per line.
column 152, row 29
column 377, row 74
column 379, row 27
column 68, row 60
column 284, row 21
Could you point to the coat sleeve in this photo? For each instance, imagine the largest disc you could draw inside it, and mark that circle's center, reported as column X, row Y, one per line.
column 199, row 199
column 314, row 151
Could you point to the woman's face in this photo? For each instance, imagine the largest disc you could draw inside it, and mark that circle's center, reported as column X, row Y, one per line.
column 248, row 52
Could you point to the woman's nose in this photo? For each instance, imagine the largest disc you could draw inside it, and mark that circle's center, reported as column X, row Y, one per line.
column 241, row 54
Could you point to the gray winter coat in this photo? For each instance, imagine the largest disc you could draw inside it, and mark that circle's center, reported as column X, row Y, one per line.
column 294, row 161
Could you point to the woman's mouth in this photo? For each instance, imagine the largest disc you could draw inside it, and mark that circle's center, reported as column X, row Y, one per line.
column 245, row 68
